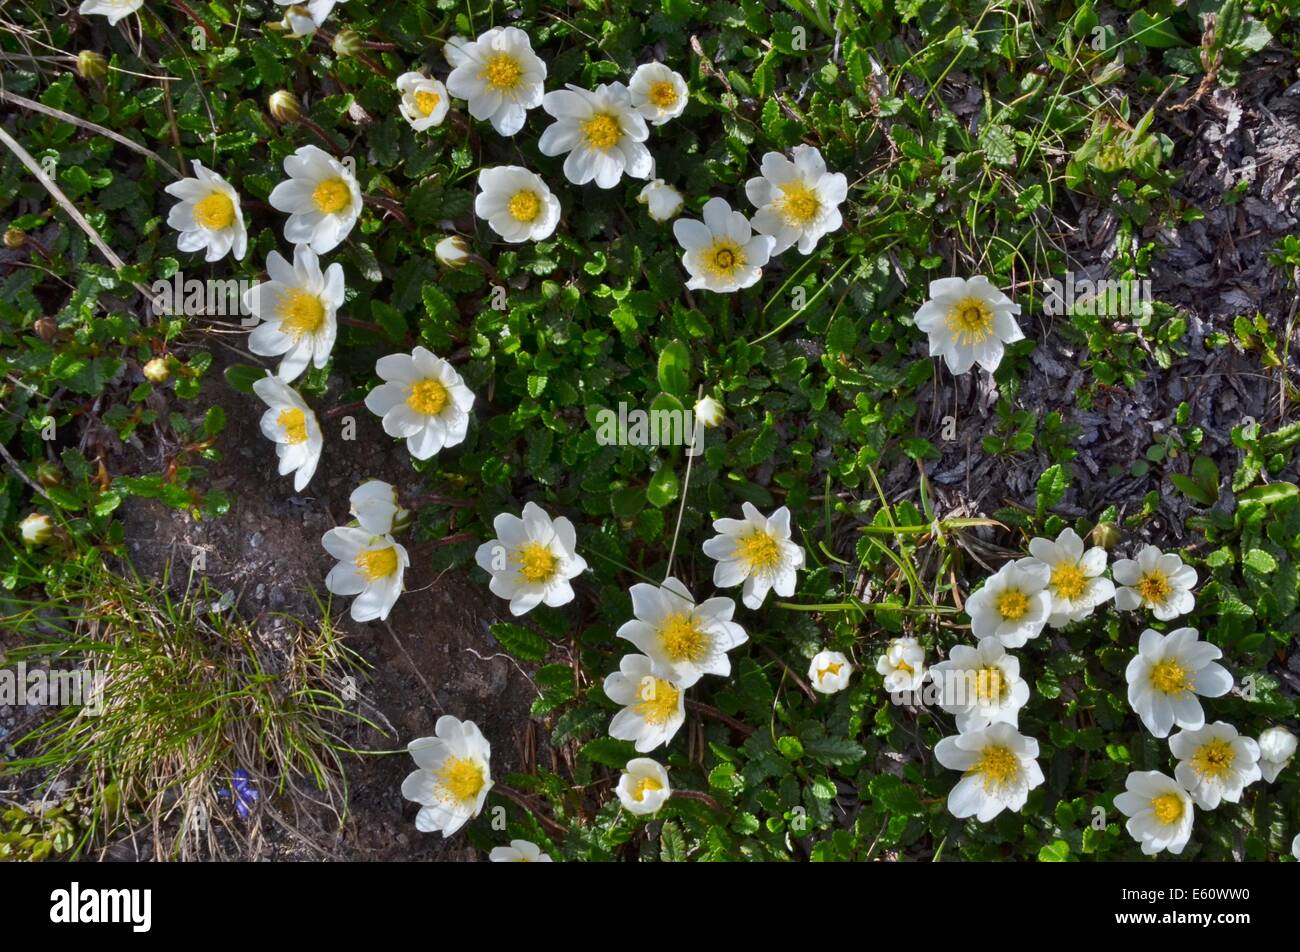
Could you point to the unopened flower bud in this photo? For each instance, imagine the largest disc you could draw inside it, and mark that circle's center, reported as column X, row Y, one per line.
column 15, row 238
column 49, row 473
column 1106, row 535
column 284, row 106
column 710, row 412
column 36, row 528
column 45, row 329
column 453, row 251
column 156, row 371
column 91, row 65
column 347, row 42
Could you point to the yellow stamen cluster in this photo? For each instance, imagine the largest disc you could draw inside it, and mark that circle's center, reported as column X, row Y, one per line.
column 682, row 641
column 970, row 321
column 460, row 779
column 536, row 562
column 375, row 564
column 294, row 423
column 215, row 212
column 997, row 765
column 658, row 701
column 1168, row 808
column 663, row 94
column 301, row 313
column 426, row 101
column 1012, row 604
column 601, row 131
column 799, row 203
column 428, row 397
column 1068, row 580
column 502, row 72
column 1214, row 759
column 1154, row 587
column 331, row 196
column 524, row 206
column 1170, row 677
column 759, row 551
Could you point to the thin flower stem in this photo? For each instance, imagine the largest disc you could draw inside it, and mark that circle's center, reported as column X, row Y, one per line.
column 709, row 710
column 686, row 486
column 699, row 795
column 186, row 9
column 390, row 206
column 529, row 804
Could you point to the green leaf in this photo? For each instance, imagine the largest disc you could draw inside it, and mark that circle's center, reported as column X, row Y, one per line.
column 675, row 368
column 609, row 752
column 663, row 487
column 519, row 641
column 242, row 377
column 1058, row 851
column 1051, row 489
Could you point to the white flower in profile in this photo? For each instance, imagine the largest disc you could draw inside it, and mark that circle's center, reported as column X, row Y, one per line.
column 829, row 672
column 798, row 201
column 114, row 10
column 371, row 567
column 999, row 767
column 291, row 425
column 1075, row 583
column 516, row 204
column 969, row 321
column 657, row 93
column 653, row 706
column 1277, row 746
column 532, row 559
column 1159, row 811
column 297, row 20
column 207, row 216
column 662, row 201
column 422, row 400
column 1167, row 674
column 981, row 685
column 710, row 411
column 1155, row 580
column 721, row 253
column 317, row 12
column 424, row 100
column 498, row 75
column 757, row 552
column 682, row 638
column 903, row 665
column 519, row 851
column 1215, row 763
column 375, row 506
column 603, row 136
column 453, row 778
column 321, row 198
column 643, row 788
column 1013, row 605
column 298, row 310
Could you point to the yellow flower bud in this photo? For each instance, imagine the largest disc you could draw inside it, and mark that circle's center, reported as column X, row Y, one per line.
column 91, row 65
column 284, row 106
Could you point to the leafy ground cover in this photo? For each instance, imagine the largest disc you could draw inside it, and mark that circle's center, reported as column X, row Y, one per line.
column 1129, row 142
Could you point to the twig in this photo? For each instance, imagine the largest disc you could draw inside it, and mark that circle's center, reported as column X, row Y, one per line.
column 532, row 807
column 710, row 711
column 699, row 795
column 686, row 483
column 18, row 471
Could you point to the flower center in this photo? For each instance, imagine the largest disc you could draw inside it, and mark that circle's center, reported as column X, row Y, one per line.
column 1068, row 580
column 331, row 196
column 294, row 423
column 832, row 668
column 1168, row 808
column 1214, row 759
column 601, row 131
column 990, row 684
column 426, row 102
column 524, row 206
column 427, row 397
column 1154, row 587
column 663, row 95
column 1012, row 604
column 460, row 778
column 215, row 212
column 1169, row 677
column 724, row 259
column 658, row 700
column 643, row 785
column 682, row 641
column 760, row 550
column 536, row 562
column 502, row 72
column 799, row 203
column 970, row 321
column 375, row 564
column 997, row 765
column 904, row 666
column 301, row 313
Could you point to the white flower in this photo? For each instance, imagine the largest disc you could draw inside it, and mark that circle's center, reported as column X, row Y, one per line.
column 1215, row 763
column 422, row 400
column 684, row 639
column 1013, row 605
column 757, row 551
column 999, row 767
column 981, row 686
column 968, row 322
column 375, row 506
column 661, row 200
column 317, row 12
column 1277, row 746
column 1158, row 581
column 424, row 100
column 1167, row 674
column 903, row 665
column 709, row 411
column 208, row 215
column 1075, row 581
column 321, row 197
column 532, row 559
column 653, row 706
column 115, row 10
column 498, row 75
column 657, row 93
column 644, row 786
column 36, row 528
column 829, row 672
column 298, row 309
column 453, row 779
column 292, row 426
column 297, row 20
column 601, row 133
column 1295, row 846
column 371, row 566
column 516, row 204
column 1159, row 811
column 519, row 851
column 797, row 201
column 721, row 253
